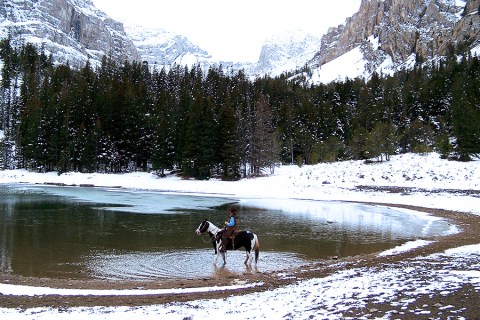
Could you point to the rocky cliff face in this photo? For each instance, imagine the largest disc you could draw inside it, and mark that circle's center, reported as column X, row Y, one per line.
column 72, row 30
column 403, row 28
column 467, row 30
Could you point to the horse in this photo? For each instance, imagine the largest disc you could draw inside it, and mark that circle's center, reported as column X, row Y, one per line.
column 246, row 239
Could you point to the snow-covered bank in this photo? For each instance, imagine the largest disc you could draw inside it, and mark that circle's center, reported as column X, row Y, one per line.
column 16, row 290
column 431, row 176
column 337, row 296
column 436, row 183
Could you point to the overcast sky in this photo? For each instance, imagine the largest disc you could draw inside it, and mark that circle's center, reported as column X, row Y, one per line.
column 231, row 30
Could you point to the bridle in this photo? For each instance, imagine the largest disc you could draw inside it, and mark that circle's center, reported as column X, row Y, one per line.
column 201, row 233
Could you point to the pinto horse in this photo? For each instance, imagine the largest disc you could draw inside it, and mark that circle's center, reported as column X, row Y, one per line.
column 246, row 239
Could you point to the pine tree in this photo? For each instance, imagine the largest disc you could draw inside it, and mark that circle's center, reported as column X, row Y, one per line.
column 466, row 111
column 8, row 104
column 370, row 104
column 381, row 141
column 264, row 147
column 163, row 153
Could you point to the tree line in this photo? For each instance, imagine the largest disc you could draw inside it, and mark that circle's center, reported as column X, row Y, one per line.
column 120, row 117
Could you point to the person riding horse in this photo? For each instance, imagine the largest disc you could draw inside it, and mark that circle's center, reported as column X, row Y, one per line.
column 230, row 227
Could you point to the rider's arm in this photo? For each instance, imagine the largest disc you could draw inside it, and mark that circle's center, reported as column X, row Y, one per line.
column 231, row 222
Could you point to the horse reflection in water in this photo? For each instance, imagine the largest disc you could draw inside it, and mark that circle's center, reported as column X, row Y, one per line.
column 245, row 239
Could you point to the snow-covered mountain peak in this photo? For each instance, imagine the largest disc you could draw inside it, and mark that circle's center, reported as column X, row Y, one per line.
column 150, row 35
column 160, row 47
column 291, row 36
column 287, row 51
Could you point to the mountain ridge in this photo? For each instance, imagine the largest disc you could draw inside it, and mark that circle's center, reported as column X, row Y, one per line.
column 383, row 36
column 403, row 30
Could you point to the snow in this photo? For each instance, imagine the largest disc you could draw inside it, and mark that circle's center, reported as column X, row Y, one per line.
column 353, row 64
column 405, row 247
column 349, row 65
column 327, row 181
column 7, row 289
column 476, row 51
column 331, row 297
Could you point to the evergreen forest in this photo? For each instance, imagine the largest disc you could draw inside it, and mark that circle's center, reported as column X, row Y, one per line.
column 211, row 123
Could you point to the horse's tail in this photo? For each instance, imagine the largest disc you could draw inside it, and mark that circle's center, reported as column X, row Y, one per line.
column 256, row 248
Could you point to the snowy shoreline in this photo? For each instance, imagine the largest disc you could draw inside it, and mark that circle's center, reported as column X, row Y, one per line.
column 427, row 181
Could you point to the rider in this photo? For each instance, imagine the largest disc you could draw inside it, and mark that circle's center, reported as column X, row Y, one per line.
column 230, row 227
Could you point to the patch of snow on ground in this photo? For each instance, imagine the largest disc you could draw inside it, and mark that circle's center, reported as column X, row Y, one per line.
column 16, row 290
column 405, row 247
column 476, row 51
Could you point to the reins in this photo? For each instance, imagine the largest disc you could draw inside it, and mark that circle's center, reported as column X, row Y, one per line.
column 208, row 241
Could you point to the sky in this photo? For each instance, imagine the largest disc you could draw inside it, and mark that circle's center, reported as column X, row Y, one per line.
column 232, row 30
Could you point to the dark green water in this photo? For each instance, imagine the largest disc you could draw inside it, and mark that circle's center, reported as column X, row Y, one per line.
column 71, row 232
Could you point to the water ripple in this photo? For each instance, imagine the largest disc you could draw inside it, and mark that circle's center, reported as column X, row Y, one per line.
column 184, row 264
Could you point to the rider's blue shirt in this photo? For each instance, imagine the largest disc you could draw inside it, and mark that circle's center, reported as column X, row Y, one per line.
column 231, row 222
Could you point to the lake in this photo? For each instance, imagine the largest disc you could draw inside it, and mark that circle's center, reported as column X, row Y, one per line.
column 119, row 234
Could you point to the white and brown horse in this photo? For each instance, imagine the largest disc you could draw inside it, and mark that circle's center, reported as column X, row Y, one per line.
column 245, row 239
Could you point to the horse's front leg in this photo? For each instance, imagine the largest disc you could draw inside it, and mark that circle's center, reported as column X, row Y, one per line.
column 248, row 256
column 223, row 253
column 220, row 252
column 215, row 247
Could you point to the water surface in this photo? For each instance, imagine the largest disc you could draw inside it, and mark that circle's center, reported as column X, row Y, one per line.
column 73, row 232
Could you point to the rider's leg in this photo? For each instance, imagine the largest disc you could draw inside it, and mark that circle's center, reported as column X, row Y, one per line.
column 226, row 234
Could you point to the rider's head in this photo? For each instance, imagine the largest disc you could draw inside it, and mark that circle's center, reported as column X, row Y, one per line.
column 233, row 211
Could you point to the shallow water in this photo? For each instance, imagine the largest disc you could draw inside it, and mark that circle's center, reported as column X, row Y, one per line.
column 72, row 232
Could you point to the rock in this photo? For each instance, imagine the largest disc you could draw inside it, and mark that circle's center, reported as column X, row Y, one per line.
column 71, row 30
column 401, row 28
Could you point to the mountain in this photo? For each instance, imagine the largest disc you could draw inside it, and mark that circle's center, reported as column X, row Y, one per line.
column 287, row 51
column 383, row 36
column 71, row 30
column 386, row 35
column 162, row 48
column 281, row 52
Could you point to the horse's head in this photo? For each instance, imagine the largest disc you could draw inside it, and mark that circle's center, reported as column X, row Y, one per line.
column 203, row 227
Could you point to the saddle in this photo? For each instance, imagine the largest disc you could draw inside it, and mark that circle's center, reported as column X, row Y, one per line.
column 234, row 234
column 231, row 237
